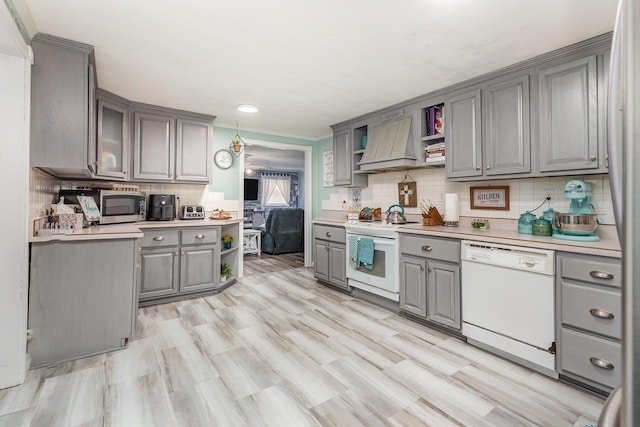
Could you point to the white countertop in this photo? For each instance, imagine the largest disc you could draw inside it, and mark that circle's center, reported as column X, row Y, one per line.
column 128, row 230
column 607, row 246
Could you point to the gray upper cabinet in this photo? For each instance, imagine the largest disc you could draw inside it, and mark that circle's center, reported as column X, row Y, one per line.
column 347, row 151
column 112, row 157
column 62, row 118
column 193, row 142
column 153, row 146
column 171, row 145
column 464, row 135
column 506, row 126
column 568, row 116
column 488, row 130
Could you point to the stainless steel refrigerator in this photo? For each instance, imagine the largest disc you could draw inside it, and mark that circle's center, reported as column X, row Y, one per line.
column 623, row 406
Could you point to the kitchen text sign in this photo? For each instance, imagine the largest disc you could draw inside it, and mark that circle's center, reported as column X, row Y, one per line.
column 496, row 197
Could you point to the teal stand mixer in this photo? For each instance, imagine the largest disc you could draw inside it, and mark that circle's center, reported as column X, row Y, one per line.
column 580, row 223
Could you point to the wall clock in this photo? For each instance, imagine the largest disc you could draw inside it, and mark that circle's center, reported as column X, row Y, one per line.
column 223, row 159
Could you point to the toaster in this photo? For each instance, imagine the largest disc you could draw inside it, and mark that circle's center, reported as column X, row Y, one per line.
column 192, row 212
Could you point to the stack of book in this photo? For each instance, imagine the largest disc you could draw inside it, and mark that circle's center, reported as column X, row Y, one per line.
column 435, row 120
column 435, row 152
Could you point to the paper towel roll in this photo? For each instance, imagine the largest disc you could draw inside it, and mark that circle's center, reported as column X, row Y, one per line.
column 451, row 209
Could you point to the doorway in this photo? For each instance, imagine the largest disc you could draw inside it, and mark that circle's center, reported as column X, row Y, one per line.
column 304, row 183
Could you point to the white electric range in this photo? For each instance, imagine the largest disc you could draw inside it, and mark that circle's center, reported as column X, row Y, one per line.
column 382, row 277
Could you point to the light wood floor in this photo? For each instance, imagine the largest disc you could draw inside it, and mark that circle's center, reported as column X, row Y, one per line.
column 266, row 263
column 278, row 349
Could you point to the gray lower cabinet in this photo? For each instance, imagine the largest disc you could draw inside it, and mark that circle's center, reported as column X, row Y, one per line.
column 182, row 261
column 430, row 279
column 170, row 145
column 589, row 319
column 330, row 256
column 82, row 298
column 62, row 106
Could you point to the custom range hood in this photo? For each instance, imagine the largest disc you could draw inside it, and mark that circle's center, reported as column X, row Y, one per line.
column 390, row 146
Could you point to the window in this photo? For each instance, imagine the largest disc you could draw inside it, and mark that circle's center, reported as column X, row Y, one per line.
column 275, row 189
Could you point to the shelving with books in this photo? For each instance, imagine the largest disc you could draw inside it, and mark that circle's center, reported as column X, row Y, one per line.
column 433, row 136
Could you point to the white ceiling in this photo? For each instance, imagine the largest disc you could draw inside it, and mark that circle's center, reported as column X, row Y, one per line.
column 306, row 64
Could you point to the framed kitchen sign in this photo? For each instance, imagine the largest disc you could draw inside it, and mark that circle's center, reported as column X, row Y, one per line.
column 495, row 197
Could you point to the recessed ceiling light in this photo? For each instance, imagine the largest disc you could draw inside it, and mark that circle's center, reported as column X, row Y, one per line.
column 247, row 108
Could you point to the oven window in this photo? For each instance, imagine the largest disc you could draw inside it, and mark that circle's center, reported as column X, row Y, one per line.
column 120, row 205
column 379, row 263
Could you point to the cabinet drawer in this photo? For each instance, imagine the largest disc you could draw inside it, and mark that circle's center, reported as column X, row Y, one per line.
column 596, row 310
column 332, row 234
column 580, row 354
column 199, row 236
column 160, row 237
column 430, row 247
column 594, row 270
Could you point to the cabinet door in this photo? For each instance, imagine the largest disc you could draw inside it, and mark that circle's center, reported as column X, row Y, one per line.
column 338, row 265
column 507, row 143
column 321, row 260
column 413, row 286
column 199, row 268
column 568, row 116
column 60, row 105
column 153, row 146
column 113, row 141
column 342, row 158
column 463, row 135
column 443, row 287
column 158, row 273
column 193, row 144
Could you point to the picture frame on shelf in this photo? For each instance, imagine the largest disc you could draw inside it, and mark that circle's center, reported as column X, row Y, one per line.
column 493, row 197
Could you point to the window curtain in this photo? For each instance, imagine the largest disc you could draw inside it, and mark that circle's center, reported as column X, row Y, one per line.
column 276, row 189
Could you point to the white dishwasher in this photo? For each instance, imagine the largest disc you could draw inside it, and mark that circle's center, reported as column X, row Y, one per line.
column 508, row 302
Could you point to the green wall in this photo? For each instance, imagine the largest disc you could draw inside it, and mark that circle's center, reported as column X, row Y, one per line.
column 226, row 181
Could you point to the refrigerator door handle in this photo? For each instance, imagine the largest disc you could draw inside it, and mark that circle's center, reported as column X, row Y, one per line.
column 615, row 122
column 610, row 415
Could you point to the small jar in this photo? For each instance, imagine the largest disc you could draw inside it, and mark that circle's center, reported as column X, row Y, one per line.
column 541, row 227
column 525, row 223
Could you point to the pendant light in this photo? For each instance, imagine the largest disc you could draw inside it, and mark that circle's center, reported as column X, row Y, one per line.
column 237, row 144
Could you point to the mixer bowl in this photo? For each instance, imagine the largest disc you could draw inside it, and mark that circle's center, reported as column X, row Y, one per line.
column 576, row 224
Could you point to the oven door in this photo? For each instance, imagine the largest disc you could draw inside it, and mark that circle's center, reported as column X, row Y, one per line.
column 382, row 278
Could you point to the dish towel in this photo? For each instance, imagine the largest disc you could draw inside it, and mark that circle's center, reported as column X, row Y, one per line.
column 366, row 252
column 354, row 252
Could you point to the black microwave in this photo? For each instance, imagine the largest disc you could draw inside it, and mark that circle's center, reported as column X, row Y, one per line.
column 115, row 206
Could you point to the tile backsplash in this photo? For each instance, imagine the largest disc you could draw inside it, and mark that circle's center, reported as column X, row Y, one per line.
column 44, row 191
column 524, row 194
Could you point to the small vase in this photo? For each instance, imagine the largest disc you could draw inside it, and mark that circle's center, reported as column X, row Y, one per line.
column 223, row 278
column 227, row 245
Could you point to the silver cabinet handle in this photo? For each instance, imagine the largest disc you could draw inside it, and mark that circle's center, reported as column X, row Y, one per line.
column 603, row 314
column 477, row 168
column 426, row 248
column 421, row 268
column 596, row 274
column 601, row 363
column 488, row 167
column 158, row 238
column 593, row 158
column 177, row 253
column 430, row 270
column 328, row 234
column 199, row 236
